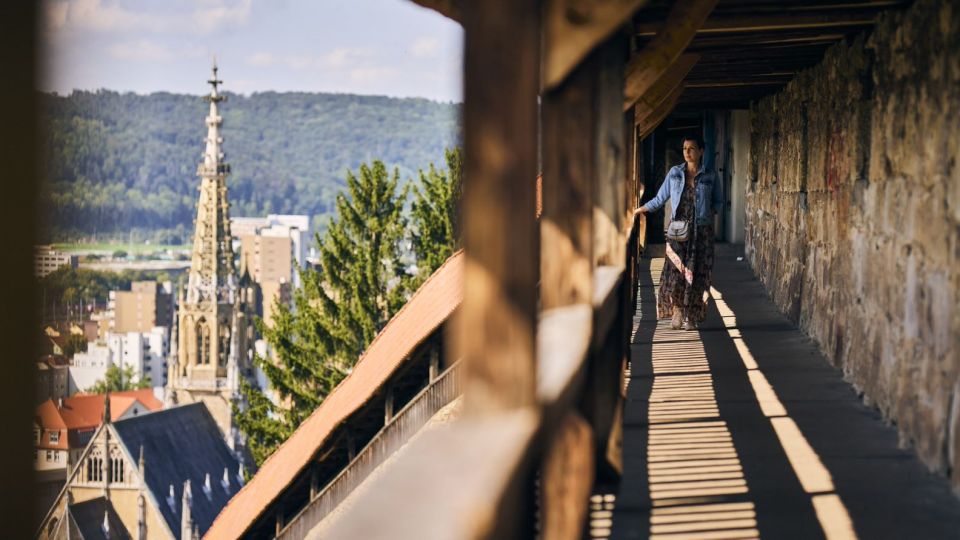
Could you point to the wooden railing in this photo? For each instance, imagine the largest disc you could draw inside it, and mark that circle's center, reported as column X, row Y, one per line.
column 404, row 424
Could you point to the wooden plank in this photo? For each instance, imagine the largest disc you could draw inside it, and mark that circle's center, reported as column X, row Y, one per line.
column 494, row 331
column 568, row 473
column 572, row 29
column 563, row 341
column 672, row 37
column 607, row 280
column 452, row 9
column 465, row 480
column 566, row 224
column 648, row 123
column 665, row 85
column 774, row 23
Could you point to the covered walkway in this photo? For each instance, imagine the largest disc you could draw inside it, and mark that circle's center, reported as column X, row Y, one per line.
column 743, row 430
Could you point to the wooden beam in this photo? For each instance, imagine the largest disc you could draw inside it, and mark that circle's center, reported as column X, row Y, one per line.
column 652, row 119
column 494, row 331
column 670, row 79
column 452, row 9
column 774, row 23
column 672, row 37
column 574, row 28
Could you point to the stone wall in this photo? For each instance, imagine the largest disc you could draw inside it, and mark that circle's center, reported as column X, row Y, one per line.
column 853, row 217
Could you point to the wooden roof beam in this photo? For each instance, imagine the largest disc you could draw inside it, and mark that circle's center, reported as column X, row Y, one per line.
column 574, row 28
column 452, row 9
column 774, row 23
column 648, row 119
column 672, row 37
column 665, row 85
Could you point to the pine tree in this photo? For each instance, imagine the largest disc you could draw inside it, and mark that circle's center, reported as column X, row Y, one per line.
column 340, row 308
column 435, row 214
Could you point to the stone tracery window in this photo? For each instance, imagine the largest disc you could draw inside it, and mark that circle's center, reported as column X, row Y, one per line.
column 203, row 342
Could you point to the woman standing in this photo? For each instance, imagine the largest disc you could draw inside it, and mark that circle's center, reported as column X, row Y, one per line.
column 685, row 281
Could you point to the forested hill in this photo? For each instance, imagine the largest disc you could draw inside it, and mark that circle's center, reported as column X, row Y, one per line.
column 121, row 162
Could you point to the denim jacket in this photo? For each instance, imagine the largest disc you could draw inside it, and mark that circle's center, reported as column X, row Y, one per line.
column 707, row 196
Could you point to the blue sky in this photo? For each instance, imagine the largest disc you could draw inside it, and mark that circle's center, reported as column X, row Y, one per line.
column 383, row 47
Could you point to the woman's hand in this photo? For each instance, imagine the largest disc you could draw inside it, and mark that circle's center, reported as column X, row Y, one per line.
column 638, row 211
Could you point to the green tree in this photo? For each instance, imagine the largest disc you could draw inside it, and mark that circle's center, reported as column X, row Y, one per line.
column 359, row 285
column 118, row 380
column 75, row 343
column 435, row 214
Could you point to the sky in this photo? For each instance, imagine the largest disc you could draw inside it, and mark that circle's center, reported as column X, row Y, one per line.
column 378, row 47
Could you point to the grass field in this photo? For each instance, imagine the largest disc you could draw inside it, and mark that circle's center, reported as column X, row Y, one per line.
column 133, row 249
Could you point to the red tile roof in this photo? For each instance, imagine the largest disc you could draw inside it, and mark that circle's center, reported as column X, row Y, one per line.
column 85, row 411
column 426, row 310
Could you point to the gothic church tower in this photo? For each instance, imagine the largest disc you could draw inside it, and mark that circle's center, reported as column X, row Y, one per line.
column 214, row 319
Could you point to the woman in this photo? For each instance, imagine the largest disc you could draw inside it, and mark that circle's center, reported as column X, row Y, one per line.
column 685, row 281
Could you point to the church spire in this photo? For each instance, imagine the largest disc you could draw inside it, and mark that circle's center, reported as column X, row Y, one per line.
column 212, row 277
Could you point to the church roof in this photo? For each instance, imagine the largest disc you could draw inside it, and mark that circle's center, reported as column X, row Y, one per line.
column 426, row 310
column 179, row 444
column 88, row 518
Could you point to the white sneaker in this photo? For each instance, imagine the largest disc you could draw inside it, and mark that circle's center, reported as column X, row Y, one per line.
column 689, row 325
column 677, row 321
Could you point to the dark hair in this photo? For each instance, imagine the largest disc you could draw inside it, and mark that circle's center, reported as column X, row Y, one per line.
column 692, row 137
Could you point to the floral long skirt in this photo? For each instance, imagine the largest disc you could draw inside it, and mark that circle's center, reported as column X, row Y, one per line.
column 687, row 271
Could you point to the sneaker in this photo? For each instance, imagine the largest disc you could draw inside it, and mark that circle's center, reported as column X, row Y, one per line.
column 689, row 325
column 677, row 321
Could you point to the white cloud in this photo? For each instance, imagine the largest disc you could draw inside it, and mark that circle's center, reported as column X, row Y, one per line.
column 140, row 50
column 110, row 16
column 222, row 14
column 94, row 15
column 425, row 47
column 261, row 59
column 372, row 74
column 342, row 57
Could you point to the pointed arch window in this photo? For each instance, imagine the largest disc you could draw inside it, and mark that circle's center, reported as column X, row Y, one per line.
column 203, row 342
column 224, row 344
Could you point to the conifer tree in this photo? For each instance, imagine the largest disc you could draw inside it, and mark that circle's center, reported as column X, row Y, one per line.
column 359, row 285
column 435, row 214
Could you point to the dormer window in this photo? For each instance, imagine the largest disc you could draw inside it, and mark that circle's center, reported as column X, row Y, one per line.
column 54, row 437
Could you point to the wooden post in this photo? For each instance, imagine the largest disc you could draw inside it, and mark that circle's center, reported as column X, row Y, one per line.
column 314, row 482
column 566, row 225
column 434, row 363
column 351, row 445
column 388, row 406
column 609, row 240
column 494, row 332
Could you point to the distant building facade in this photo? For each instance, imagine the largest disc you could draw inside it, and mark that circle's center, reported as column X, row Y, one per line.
column 53, row 378
column 145, row 306
column 47, row 260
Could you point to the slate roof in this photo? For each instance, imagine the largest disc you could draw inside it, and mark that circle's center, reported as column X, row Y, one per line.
column 426, row 310
column 88, row 518
column 179, row 444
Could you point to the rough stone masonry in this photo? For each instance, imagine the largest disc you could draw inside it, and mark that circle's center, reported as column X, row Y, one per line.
column 853, row 218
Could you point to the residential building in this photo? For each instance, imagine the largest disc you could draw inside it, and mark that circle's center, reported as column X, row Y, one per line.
column 53, row 378
column 47, row 260
column 145, row 306
column 144, row 353
column 162, row 475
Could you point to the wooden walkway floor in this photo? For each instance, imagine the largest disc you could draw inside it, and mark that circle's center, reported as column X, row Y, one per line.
column 743, row 430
